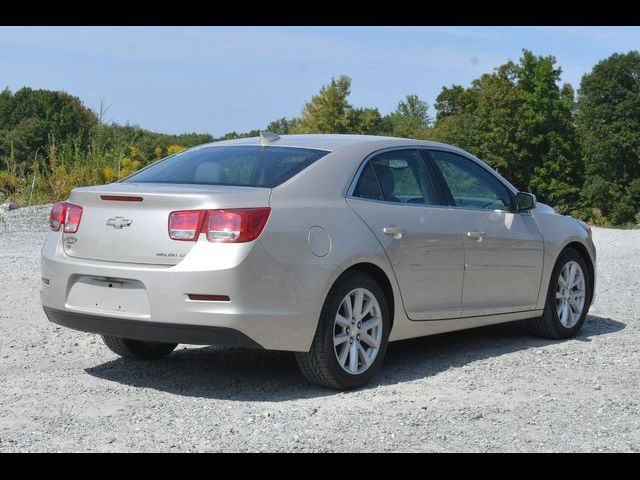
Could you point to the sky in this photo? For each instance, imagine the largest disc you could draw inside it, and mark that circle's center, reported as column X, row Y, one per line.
column 221, row 79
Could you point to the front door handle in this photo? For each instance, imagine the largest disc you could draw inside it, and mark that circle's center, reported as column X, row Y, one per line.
column 477, row 235
column 397, row 232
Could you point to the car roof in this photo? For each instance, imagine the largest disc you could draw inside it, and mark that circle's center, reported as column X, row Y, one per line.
column 328, row 142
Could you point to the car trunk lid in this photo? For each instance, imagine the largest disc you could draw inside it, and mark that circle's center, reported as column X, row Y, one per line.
column 128, row 222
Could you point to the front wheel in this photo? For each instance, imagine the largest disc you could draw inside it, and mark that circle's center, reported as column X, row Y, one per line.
column 138, row 349
column 352, row 335
column 568, row 298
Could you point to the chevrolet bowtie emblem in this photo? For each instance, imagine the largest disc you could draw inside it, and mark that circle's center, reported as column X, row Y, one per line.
column 119, row 222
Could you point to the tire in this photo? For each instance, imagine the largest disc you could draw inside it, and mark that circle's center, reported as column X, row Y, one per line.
column 321, row 364
column 137, row 349
column 549, row 325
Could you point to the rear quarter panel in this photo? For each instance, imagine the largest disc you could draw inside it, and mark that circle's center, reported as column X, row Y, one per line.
column 316, row 198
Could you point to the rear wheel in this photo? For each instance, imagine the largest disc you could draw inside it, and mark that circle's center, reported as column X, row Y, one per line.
column 568, row 298
column 138, row 349
column 352, row 335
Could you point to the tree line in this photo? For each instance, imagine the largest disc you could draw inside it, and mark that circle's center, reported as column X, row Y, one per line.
column 578, row 151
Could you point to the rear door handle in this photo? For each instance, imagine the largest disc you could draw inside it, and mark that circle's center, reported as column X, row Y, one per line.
column 397, row 232
column 477, row 235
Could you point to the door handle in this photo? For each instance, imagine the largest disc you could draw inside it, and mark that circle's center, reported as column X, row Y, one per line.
column 477, row 235
column 397, row 232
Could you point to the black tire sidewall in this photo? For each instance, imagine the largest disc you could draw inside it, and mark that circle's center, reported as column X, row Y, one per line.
column 137, row 349
column 335, row 297
column 150, row 350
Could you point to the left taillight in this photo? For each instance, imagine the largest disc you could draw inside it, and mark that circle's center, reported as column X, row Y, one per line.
column 65, row 215
column 56, row 218
column 185, row 224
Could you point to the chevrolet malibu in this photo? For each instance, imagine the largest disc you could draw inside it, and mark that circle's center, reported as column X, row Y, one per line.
column 329, row 246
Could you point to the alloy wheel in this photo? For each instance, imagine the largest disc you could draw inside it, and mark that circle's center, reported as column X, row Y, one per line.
column 357, row 332
column 570, row 294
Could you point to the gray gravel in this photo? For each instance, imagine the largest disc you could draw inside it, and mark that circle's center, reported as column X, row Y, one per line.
column 489, row 389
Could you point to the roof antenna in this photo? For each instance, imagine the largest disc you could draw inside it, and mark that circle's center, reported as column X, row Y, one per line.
column 267, row 138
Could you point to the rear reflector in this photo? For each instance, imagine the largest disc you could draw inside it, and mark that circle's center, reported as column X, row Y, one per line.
column 185, row 224
column 208, row 298
column 118, row 198
column 235, row 225
column 67, row 214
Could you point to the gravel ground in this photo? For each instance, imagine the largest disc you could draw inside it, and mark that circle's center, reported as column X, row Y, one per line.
column 488, row 389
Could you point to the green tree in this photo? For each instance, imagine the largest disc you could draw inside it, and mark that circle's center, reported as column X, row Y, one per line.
column 455, row 116
column 411, row 117
column 364, row 121
column 549, row 133
column 456, row 100
column 328, row 111
column 29, row 116
column 283, row 126
column 519, row 120
column 608, row 120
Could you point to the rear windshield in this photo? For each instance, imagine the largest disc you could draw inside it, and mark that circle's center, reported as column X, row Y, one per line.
column 245, row 166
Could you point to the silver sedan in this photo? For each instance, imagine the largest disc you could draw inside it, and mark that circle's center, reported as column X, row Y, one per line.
column 329, row 246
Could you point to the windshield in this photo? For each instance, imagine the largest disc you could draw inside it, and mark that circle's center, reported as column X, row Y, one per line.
column 248, row 166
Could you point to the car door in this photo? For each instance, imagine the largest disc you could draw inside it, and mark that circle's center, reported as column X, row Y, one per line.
column 398, row 200
column 503, row 249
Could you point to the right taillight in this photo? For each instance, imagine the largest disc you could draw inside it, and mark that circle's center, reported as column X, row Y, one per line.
column 65, row 214
column 235, row 225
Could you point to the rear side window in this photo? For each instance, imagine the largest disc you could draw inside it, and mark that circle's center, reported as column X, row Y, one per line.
column 248, row 166
column 368, row 186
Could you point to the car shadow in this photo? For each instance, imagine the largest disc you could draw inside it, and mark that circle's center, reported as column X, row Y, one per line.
column 258, row 375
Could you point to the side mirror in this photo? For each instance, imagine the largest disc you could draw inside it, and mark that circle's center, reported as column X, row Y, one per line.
column 525, row 201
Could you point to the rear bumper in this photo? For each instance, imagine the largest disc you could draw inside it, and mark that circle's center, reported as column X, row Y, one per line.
column 273, row 304
column 151, row 331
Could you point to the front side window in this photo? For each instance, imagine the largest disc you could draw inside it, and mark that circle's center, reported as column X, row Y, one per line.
column 249, row 166
column 471, row 185
column 397, row 176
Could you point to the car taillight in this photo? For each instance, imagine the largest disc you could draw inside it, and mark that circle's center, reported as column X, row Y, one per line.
column 56, row 218
column 185, row 224
column 67, row 214
column 72, row 219
column 235, row 225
